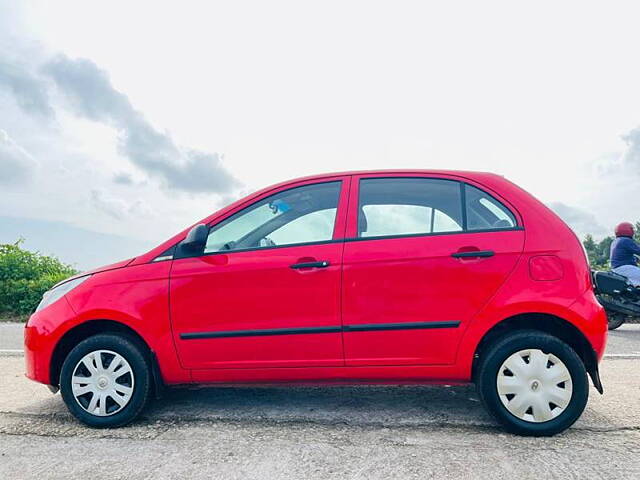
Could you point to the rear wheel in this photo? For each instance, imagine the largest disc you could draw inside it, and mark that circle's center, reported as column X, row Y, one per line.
column 615, row 320
column 533, row 383
column 105, row 380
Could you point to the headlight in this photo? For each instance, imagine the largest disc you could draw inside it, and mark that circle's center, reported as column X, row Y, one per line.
column 56, row 293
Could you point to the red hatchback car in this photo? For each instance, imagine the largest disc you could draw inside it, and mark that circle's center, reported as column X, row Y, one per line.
column 385, row 277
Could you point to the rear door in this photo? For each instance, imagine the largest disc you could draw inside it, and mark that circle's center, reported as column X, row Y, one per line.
column 422, row 256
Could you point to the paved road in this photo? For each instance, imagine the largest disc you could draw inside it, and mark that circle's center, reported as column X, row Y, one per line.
column 624, row 341
column 324, row 433
column 11, row 336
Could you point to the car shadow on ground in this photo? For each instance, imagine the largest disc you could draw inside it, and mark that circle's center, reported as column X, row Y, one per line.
column 360, row 405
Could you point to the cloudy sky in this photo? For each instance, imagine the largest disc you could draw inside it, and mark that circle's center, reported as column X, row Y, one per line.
column 136, row 119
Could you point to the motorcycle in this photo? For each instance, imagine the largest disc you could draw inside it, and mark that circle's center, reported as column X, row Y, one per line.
column 620, row 299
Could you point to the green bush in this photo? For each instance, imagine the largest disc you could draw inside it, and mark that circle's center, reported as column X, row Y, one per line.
column 25, row 276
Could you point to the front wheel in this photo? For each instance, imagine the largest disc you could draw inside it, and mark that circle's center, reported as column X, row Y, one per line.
column 533, row 383
column 105, row 381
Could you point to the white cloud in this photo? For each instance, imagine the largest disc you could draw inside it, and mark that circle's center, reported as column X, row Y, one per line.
column 631, row 157
column 16, row 164
column 123, row 178
column 608, row 187
column 92, row 96
column 30, row 93
column 90, row 175
column 118, row 208
column 581, row 221
column 107, row 204
column 409, row 85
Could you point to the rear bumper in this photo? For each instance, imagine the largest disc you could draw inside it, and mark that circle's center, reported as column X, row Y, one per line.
column 592, row 321
column 593, row 324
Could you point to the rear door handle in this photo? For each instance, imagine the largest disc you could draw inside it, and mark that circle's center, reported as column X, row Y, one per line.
column 474, row 254
column 322, row 264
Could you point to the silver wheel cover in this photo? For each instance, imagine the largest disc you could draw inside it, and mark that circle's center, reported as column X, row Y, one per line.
column 534, row 386
column 102, row 383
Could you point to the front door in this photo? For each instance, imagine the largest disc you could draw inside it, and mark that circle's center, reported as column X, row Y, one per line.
column 424, row 255
column 266, row 290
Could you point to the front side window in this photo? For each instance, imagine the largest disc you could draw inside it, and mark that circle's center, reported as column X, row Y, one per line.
column 408, row 206
column 298, row 215
column 484, row 212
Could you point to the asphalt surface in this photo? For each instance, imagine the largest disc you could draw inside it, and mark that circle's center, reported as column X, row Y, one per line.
column 324, row 433
column 11, row 336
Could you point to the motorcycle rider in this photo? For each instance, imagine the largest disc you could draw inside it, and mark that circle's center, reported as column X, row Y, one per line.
column 623, row 252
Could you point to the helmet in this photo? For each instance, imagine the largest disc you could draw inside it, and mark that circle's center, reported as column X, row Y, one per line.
column 625, row 229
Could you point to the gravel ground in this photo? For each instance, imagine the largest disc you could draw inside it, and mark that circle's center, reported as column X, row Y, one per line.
column 333, row 432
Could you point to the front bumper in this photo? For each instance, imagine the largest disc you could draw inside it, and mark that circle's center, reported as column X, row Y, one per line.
column 41, row 335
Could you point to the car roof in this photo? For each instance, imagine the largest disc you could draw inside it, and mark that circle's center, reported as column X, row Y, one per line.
column 460, row 173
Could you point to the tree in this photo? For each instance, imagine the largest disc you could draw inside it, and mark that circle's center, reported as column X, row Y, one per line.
column 25, row 276
column 591, row 247
column 599, row 252
column 604, row 251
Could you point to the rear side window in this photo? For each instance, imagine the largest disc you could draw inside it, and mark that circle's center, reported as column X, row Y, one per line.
column 485, row 212
column 408, row 206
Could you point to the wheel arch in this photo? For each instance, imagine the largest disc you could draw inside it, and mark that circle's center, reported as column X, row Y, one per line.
column 547, row 323
column 92, row 327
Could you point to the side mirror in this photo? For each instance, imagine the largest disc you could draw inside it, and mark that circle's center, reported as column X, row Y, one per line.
column 196, row 239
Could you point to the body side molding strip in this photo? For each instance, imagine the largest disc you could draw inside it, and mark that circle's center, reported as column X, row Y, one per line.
column 259, row 333
column 311, row 330
column 370, row 327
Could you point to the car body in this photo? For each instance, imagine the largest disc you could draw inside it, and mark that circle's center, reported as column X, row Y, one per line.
column 378, row 277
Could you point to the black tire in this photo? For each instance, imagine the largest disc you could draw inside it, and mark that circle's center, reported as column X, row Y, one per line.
column 494, row 357
column 134, row 354
column 615, row 320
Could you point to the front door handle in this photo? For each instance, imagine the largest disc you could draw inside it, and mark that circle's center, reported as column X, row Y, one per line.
column 474, row 254
column 322, row 264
